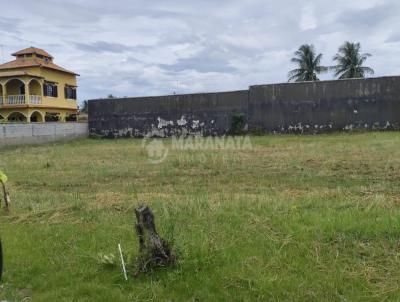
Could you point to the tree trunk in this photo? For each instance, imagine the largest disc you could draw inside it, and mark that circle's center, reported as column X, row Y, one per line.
column 154, row 251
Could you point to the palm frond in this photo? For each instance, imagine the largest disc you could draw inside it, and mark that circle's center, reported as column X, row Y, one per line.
column 367, row 70
column 349, row 61
column 308, row 63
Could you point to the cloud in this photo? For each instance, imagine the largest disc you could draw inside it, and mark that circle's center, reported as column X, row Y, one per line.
column 367, row 18
column 133, row 48
column 395, row 38
column 307, row 20
column 207, row 60
column 102, row 46
column 9, row 25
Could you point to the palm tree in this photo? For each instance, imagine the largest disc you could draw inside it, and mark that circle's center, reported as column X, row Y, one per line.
column 349, row 62
column 308, row 65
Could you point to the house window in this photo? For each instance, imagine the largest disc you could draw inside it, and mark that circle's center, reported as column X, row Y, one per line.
column 70, row 92
column 50, row 89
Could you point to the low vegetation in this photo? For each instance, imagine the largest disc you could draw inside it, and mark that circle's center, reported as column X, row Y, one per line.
column 297, row 218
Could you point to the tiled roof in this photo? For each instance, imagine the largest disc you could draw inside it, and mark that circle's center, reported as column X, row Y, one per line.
column 32, row 50
column 21, row 63
column 17, row 73
column 51, row 65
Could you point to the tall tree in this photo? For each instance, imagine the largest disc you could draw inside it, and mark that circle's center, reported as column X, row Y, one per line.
column 85, row 107
column 349, row 62
column 308, row 65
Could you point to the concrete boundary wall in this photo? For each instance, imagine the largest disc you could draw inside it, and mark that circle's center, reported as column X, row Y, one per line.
column 38, row 133
column 205, row 113
column 308, row 107
column 369, row 104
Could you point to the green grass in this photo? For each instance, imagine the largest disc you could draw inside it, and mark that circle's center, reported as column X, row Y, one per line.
column 297, row 218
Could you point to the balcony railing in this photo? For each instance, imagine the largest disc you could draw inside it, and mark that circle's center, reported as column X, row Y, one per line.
column 20, row 100
column 35, row 99
column 16, row 99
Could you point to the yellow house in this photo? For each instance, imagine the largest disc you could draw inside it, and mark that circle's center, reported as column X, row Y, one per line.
column 34, row 89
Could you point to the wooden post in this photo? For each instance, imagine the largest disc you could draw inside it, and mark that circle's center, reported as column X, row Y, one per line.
column 153, row 250
column 1, row 260
column 5, row 195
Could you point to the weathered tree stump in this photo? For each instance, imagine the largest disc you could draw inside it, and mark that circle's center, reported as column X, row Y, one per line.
column 154, row 251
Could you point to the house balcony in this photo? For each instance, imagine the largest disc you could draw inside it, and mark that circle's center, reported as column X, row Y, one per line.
column 35, row 99
column 15, row 99
column 21, row 92
column 20, row 99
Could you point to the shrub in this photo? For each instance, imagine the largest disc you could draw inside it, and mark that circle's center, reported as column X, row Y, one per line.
column 238, row 123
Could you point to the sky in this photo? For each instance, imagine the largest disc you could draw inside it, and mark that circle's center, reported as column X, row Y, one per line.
column 156, row 47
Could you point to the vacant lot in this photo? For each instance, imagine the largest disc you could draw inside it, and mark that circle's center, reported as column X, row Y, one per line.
column 297, row 218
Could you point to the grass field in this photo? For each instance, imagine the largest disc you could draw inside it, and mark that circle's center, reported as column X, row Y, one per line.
column 297, row 218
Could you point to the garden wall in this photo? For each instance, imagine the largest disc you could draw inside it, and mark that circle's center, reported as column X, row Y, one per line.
column 370, row 104
column 206, row 113
column 37, row 133
column 309, row 107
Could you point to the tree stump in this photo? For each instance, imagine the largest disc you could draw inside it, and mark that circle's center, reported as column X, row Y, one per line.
column 154, row 251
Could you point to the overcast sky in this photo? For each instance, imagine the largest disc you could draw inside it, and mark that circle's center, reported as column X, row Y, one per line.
column 135, row 47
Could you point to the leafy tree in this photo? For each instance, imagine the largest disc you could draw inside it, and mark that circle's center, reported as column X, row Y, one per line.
column 3, row 177
column 349, row 62
column 85, row 106
column 308, row 65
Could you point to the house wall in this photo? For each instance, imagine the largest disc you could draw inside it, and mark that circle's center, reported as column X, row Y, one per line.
column 38, row 133
column 312, row 107
column 61, row 79
column 27, row 112
column 58, row 104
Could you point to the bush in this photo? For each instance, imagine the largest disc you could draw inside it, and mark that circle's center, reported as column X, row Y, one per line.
column 238, row 123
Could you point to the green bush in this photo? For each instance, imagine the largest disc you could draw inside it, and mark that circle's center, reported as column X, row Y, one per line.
column 238, row 123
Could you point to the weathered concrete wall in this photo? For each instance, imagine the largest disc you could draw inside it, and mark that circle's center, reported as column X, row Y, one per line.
column 37, row 133
column 311, row 107
column 206, row 113
column 327, row 105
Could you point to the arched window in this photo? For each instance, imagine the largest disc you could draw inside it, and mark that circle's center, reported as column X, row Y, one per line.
column 37, row 117
column 17, row 117
column 15, row 87
column 35, row 88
